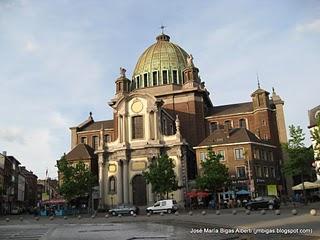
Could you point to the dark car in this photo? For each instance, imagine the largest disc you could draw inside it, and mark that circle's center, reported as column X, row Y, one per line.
column 124, row 209
column 270, row 202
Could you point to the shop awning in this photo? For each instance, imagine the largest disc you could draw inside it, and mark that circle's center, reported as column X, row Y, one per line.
column 307, row 185
column 194, row 194
column 243, row 192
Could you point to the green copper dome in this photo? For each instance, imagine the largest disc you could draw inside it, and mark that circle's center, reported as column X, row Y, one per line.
column 161, row 63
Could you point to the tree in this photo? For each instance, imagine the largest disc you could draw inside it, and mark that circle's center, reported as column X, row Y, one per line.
column 214, row 175
column 77, row 180
column 300, row 158
column 161, row 175
column 315, row 136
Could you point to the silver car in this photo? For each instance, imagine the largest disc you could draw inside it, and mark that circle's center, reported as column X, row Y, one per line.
column 124, row 209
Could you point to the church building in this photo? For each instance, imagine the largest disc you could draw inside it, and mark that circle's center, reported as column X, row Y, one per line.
column 165, row 108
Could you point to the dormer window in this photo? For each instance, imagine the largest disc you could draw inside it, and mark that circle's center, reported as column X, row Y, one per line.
column 83, row 140
column 227, row 124
column 165, row 77
column 145, row 79
column 213, row 126
column 175, row 76
column 154, row 78
column 138, row 81
column 242, row 123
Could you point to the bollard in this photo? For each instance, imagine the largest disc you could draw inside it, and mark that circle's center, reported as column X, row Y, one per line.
column 313, row 212
column 106, row 216
column 248, row 212
column 277, row 212
column 294, row 212
column 218, row 212
column 190, row 213
column 203, row 213
column 263, row 212
column 234, row 212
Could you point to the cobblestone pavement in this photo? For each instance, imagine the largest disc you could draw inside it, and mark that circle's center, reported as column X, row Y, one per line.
column 210, row 226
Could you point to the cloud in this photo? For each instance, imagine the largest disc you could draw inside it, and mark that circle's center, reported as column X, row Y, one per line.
column 313, row 26
column 12, row 135
column 31, row 46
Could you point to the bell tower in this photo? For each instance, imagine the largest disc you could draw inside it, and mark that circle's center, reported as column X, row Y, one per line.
column 122, row 83
column 191, row 73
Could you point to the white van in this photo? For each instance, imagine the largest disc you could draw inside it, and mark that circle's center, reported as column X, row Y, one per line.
column 168, row 206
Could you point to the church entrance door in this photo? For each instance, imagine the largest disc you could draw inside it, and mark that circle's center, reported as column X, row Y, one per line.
column 139, row 191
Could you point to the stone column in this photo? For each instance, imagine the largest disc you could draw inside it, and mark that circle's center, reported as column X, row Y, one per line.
column 101, row 180
column 125, row 182
column 119, row 182
column 150, row 194
column 156, row 124
column 149, row 186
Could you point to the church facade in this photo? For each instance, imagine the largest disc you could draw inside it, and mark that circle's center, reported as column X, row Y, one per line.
column 165, row 108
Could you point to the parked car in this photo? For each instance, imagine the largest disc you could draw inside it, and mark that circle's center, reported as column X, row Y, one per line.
column 124, row 209
column 270, row 202
column 315, row 196
column 168, row 206
column 16, row 210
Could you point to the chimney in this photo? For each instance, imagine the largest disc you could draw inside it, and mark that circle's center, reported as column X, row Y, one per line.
column 4, row 153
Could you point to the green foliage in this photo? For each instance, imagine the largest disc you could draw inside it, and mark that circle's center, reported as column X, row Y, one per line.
column 215, row 174
column 315, row 136
column 161, row 175
column 299, row 157
column 77, row 180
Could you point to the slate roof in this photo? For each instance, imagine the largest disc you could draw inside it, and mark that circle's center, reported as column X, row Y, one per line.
column 81, row 151
column 235, row 135
column 231, row 109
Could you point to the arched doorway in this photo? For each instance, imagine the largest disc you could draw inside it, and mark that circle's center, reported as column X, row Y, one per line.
column 139, row 191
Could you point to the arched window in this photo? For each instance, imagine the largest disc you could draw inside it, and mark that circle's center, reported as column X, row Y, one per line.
column 213, row 126
column 112, row 184
column 107, row 138
column 242, row 123
column 228, row 124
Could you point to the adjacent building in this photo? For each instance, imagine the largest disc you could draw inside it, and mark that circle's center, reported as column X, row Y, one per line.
column 314, row 115
column 17, row 185
column 165, row 108
column 47, row 189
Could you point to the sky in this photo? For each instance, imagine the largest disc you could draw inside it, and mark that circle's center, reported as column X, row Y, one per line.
column 59, row 60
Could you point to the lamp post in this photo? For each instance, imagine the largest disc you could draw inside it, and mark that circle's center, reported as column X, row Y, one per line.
column 111, row 201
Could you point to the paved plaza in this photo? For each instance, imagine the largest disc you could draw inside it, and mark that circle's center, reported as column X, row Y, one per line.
column 182, row 226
